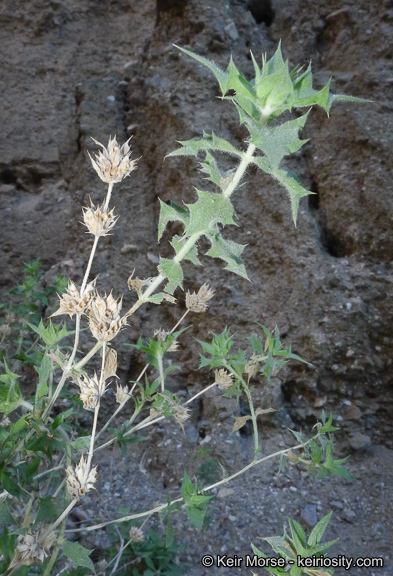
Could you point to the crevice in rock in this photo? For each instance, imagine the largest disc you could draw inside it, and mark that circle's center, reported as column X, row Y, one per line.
column 262, row 11
column 313, row 199
column 176, row 7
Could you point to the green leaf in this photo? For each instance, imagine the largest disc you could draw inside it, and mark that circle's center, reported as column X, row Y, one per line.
column 82, row 443
column 221, row 76
column 44, row 370
column 209, row 211
column 5, row 515
column 10, row 485
column 51, row 335
column 169, row 213
column 318, row 530
column 173, row 271
column 228, row 251
column 196, row 516
column 78, row 554
column 10, row 394
column 294, row 188
column 61, row 417
column 278, row 141
column 49, row 509
column 207, row 142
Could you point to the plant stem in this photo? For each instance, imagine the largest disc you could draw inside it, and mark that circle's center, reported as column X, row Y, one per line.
column 66, row 370
column 161, row 370
column 205, row 489
column 56, row 549
column 240, row 171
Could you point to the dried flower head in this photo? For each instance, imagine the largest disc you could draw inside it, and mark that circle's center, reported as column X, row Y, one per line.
column 223, row 378
column 72, row 302
column 91, row 390
column 104, row 317
column 196, row 302
column 122, row 394
column 180, row 414
column 80, row 481
column 162, row 335
column 250, row 369
column 110, row 363
column 30, row 550
column 5, row 330
column 58, row 357
column 137, row 283
column 136, row 534
column 112, row 164
column 99, row 221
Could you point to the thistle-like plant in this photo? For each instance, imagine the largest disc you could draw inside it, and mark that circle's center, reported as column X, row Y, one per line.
column 37, row 446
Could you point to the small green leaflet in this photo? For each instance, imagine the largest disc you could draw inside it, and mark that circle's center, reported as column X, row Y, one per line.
column 78, row 554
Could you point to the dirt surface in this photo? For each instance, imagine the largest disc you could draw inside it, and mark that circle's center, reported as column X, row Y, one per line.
column 75, row 69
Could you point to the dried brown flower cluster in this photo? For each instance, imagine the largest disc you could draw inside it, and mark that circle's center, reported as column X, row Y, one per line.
column 104, row 317
column 72, row 302
column 136, row 534
column 112, row 164
column 161, row 336
column 122, row 394
column 31, row 550
column 197, row 302
column 223, row 378
column 80, row 481
column 99, row 221
column 91, row 390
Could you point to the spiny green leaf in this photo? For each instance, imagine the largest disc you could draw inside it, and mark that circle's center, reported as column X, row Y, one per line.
column 279, row 141
column 208, row 211
column 318, row 530
column 294, row 188
column 10, row 394
column 207, row 142
column 169, row 213
column 221, row 76
column 51, row 335
column 44, row 371
column 228, row 251
column 173, row 271
column 78, row 554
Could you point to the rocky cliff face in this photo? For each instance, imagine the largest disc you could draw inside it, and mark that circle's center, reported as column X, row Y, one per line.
column 71, row 70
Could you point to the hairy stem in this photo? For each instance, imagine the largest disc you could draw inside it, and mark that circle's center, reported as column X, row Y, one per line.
column 205, row 489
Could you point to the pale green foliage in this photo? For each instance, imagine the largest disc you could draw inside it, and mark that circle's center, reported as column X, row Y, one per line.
column 274, row 90
column 295, row 545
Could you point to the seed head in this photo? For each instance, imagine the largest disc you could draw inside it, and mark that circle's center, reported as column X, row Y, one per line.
column 180, row 414
column 196, row 302
column 112, row 164
column 30, row 550
column 91, row 390
column 71, row 301
column 136, row 534
column 137, row 283
column 250, row 369
column 104, row 317
column 122, row 394
column 110, row 363
column 99, row 221
column 161, row 336
column 223, row 379
column 77, row 483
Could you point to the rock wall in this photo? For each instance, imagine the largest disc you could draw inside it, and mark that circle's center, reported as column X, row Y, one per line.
column 75, row 69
